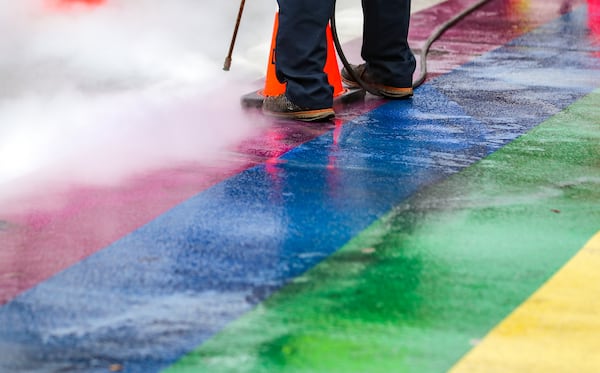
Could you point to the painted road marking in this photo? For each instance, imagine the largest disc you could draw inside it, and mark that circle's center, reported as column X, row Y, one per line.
column 414, row 291
column 75, row 224
column 62, row 229
column 556, row 330
column 167, row 287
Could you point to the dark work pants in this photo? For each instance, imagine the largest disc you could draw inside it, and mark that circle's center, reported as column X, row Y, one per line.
column 301, row 47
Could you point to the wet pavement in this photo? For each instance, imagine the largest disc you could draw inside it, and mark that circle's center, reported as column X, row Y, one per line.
column 402, row 237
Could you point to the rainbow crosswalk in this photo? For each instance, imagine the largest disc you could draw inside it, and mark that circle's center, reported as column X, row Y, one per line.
column 417, row 236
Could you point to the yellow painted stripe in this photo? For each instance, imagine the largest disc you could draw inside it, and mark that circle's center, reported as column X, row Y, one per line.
column 556, row 330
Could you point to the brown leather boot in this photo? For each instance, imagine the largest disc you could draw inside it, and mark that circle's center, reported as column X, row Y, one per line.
column 384, row 90
column 281, row 107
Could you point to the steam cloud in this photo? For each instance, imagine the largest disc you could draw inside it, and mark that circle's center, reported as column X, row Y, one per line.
column 107, row 91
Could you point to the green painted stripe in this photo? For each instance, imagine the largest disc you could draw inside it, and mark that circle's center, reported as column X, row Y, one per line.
column 417, row 289
column 555, row 330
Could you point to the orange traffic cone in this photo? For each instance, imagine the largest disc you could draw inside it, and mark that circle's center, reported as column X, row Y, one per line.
column 273, row 87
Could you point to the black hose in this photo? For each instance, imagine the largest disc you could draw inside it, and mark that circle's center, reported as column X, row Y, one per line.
column 424, row 50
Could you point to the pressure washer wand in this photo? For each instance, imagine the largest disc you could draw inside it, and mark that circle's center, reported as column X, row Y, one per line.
column 227, row 63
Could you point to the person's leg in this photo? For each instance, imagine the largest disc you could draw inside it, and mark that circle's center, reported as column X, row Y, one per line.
column 301, row 51
column 385, row 47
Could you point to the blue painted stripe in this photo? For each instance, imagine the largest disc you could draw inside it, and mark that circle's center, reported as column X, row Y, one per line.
column 157, row 293
column 528, row 80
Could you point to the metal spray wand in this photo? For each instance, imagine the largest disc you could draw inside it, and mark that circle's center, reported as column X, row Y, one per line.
column 227, row 63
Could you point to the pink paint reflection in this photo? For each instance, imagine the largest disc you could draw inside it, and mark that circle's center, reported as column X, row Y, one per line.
column 594, row 23
column 333, row 174
column 68, row 4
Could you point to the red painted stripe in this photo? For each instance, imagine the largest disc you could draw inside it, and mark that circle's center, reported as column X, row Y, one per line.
column 492, row 26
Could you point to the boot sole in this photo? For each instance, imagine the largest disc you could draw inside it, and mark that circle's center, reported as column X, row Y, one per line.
column 306, row 116
column 386, row 91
